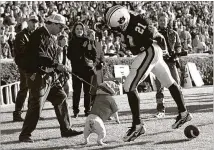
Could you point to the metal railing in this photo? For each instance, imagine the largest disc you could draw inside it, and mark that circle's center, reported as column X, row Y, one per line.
column 8, row 93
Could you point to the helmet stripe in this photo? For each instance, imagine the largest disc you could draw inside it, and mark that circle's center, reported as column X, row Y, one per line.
column 111, row 12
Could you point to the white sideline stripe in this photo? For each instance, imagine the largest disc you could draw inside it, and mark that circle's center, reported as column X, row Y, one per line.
column 8, row 99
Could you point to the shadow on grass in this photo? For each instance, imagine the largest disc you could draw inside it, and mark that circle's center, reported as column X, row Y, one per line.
column 162, row 132
column 48, row 148
column 122, row 145
column 198, row 94
column 15, row 142
column 205, row 124
column 45, row 118
column 173, row 110
column 85, row 146
column 12, row 131
column 169, row 111
column 173, row 141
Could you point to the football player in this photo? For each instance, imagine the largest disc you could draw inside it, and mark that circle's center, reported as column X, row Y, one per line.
column 144, row 41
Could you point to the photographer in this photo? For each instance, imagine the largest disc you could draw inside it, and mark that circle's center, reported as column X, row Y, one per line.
column 170, row 56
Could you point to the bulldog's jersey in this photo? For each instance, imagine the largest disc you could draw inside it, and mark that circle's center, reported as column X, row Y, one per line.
column 139, row 33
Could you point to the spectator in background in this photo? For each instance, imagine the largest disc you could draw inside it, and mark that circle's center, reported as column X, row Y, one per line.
column 111, row 50
column 117, row 44
column 20, row 48
column 11, row 38
column 82, row 54
column 63, row 50
column 5, row 48
column 186, row 39
column 97, row 78
column 188, row 14
column 198, row 46
column 173, row 47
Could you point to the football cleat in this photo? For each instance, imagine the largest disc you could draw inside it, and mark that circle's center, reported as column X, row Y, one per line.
column 181, row 120
column 134, row 132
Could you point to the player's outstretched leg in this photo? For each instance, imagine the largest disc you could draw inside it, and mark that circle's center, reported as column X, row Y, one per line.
column 137, row 127
column 184, row 116
column 163, row 74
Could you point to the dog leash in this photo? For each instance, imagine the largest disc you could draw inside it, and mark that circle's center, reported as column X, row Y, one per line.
column 82, row 80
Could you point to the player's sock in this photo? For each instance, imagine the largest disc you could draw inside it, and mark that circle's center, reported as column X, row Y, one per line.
column 178, row 97
column 134, row 103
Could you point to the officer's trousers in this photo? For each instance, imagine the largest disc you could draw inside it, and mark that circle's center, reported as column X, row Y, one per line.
column 42, row 87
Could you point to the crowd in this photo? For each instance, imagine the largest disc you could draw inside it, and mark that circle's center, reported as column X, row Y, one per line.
column 48, row 38
column 192, row 20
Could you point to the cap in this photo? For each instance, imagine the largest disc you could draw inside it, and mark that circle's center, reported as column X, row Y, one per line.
column 33, row 17
column 57, row 18
column 107, row 87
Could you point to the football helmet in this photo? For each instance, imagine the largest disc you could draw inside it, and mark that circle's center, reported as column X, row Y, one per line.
column 117, row 17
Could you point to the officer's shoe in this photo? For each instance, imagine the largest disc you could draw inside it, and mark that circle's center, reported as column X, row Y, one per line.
column 25, row 139
column 17, row 116
column 70, row 133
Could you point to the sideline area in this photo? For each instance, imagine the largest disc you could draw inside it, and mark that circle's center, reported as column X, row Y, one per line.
column 47, row 135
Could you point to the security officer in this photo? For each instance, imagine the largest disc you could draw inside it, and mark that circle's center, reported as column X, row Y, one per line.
column 41, row 62
column 173, row 46
column 20, row 44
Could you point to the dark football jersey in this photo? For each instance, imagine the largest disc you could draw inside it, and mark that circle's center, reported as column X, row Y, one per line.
column 139, row 33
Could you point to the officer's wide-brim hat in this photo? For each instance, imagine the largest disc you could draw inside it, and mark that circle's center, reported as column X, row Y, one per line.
column 107, row 87
column 57, row 18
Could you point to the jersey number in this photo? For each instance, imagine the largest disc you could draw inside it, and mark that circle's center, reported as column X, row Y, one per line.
column 140, row 28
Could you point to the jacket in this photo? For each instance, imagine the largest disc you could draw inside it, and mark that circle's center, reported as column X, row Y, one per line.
column 20, row 45
column 42, row 54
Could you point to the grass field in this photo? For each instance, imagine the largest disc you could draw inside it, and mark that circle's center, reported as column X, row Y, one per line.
column 159, row 135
